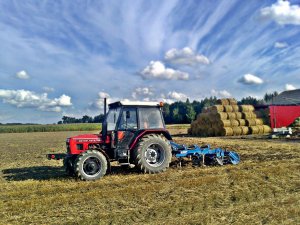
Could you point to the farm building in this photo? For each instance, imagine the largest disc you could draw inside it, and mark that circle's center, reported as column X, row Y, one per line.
column 284, row 108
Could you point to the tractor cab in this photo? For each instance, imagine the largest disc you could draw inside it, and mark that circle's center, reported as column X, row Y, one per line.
column 126, row 122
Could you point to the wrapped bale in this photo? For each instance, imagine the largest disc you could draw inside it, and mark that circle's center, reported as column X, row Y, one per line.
column 246, row 108
column 237, row 130
column 245, row 130
column 226, row 131
column 242, row 122
column 234, row 123
column 231, row 115
column 254, row 130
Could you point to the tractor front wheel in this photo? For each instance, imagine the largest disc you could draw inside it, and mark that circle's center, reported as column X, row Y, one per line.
column 90, row 165
column 152, row 154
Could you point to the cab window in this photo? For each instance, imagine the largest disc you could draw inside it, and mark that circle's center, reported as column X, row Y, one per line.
column 112, row 118
column 128, row 119
column 150, row 118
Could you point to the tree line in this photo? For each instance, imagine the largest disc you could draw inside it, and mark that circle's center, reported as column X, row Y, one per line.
column 178, row 112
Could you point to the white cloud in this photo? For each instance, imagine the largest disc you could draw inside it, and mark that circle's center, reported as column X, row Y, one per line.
column 157, row 70
column 185, row 56
column 220, row 94
column 177, row 96
column 22, row 75
column 281, row 45
column 30, row 99
column 250, row 79
column 142, row 92
column 290, row 87
column 282, row 12
column 48, row 89
column 99, row 102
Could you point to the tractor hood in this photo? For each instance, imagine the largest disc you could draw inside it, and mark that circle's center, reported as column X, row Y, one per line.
column 86, row 138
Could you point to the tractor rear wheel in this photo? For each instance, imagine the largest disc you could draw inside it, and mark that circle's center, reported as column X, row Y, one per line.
column 90, row 165
column 152, row 154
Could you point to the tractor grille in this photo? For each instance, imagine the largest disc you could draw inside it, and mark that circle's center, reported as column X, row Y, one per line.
column 68, row 147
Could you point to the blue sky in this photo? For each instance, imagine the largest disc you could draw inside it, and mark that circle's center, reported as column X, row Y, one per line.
column 61, row 57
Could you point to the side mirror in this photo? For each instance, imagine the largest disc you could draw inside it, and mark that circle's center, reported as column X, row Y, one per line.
column 127, row 114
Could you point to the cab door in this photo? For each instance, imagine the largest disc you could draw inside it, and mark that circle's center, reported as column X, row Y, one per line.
column 126, row 130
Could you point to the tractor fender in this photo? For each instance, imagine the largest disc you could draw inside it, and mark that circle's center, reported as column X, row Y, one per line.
column 136, row 139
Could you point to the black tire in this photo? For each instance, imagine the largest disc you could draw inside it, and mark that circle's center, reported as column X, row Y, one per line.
column 90, row 165
column 69, row 166
column 152, row 154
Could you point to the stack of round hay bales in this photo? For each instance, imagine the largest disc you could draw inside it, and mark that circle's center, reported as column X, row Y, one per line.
column 228, row 119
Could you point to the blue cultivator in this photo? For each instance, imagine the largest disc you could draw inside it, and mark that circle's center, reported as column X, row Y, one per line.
column 204, row 155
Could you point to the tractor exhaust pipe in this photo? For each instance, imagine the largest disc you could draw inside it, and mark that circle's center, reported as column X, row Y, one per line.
column 105, row 107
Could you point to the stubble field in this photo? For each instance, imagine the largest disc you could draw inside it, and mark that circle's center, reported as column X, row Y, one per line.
column 263, row 189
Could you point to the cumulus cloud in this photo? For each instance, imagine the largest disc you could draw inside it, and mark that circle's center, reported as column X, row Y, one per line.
column 29, row 99
column 23, row 75
column 48, row 89
column 220, row 94
column 250, row 79
column 281, row 45
column 99, row 102
column 177, row 96
column 157, row 70
column 282, row 12
column 142, row 92
column 185, row 56
column 290, row 87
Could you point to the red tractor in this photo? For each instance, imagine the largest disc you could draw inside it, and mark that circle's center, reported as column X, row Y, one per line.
column 132, row 133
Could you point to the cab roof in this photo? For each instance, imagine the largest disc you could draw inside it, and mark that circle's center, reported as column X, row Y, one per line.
column 134, row 103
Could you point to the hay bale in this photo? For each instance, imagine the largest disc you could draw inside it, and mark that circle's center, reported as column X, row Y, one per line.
column 260, row 128
column 234, row 123
column 238, row 115
column 254, row 130
column 216, row 108
column 224, row 123
column 232, row 101
column 242, row 122
column 267, row 129
column 223, row 101
column 231, row 115
column 228, row 108
column 246, row 108
column 226, row 131
column 237, row 130
column 250, row 122
column 245, row 130
column 248, row 115
column 259, row 122
column 221, row 116
column 235, row 108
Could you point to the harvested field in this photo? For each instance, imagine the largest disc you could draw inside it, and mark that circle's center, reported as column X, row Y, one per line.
column 263, row 189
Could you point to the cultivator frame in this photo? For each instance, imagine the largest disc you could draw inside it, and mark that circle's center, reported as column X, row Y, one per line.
column 204, row 155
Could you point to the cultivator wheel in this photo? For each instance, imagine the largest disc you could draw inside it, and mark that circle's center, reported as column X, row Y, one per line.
column 90, row 165
column 152, row 154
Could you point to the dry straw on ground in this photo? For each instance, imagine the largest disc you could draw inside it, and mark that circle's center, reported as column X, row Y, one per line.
column 227, row 119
